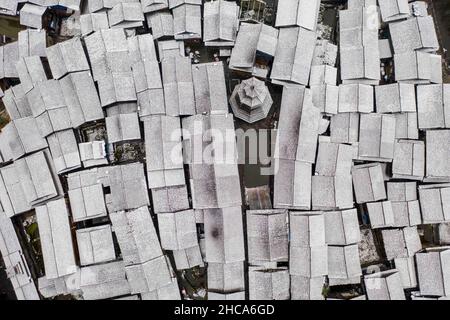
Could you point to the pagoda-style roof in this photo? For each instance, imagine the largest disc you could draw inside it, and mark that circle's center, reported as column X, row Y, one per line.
column 251, row 100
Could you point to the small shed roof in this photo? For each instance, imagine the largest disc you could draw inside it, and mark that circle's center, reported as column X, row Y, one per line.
column 31, row 15
column 178, row 86
column 176, row 3
column 302, row 13
column 116, row 87
column 343, row 262
column 323, row 74
column 417, row 33
column 368, row 183
column 187, row 21
column 292, row 61
column 209, row 88
column 10, row 5
column 96, row 51
column 154, row 5
column 9, row 242
column 344, row 127
column 71, row 4
column 150, row 102
column 433, row 106
column 170, row 199
column 356, row 98
column 177, row 230
column 409, row 160
column 394, row 10
column 307, row 229
column 308, row 261
column 64, row 149
column 226, row 277
column 56, row 239
column 36, row 177
column 386, row 285
column 168, row 292
column 95, row 245
column 434, row 203
column 298, row 127
column 164, row 167
column 407, row 213
column 240, row 295
column 170, row 48
column 16, row 102
column 85, row 178
column 418, row 67
column 149, row 276
column 161, row 23
column 188, row 258
column 267, row 235
column 437, row 153
column 360, row 52
column 251, row 40
column 81, row 98
column 385, row 49
column 9, row 55
column 342, row 227
column 377, row 137
column 306, row 288
column 30, row 71
column 329, row 193
column 325, row 97
column 128, row 187
column 400, row 243
column 406, row 126
column 12, row 194
column 49, row 107
column 292, row 184
column 122, row 108
column 104, row 281
column 220, row 22
column 432, row 274
column 92, row 22
column 224, row 235
column 325, row 53
column 136, row 235
column 93, row 153
column 22, row 137
column 396, row 97
column 66, row 57
column 269, row 284
column 212, row 195
column 381, row 214
column 20, row 277
column 87, row 201
column 333, row 158
column 146, row 75
column 402, row 191
column 123, row 127
column 110, row 51
column 211, row 175
column 407, row 270
column 126, row 15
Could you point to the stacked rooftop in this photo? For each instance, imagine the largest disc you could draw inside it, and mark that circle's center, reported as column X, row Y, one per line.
column 120, row 149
